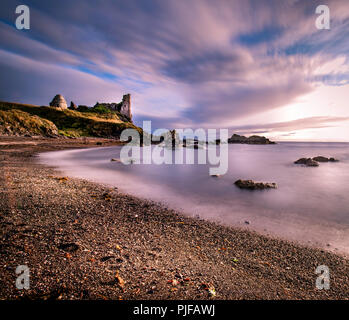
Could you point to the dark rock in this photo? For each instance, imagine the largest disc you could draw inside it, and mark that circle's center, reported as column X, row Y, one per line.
column 69, row 247
column 302, row 161
column 324, row 159
column 235, row 138
column 103, row 259
column 307, row 162
column 311, row 163
column 251, row 185
column 321, row 159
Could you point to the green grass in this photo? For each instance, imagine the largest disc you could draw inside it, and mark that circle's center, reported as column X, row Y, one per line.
column 72, row 123
column 18, row 122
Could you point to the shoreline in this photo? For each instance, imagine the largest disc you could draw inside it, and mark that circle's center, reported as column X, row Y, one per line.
column 311, row 231
column 82, row 240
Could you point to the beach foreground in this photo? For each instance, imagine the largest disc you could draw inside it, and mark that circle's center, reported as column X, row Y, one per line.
column 82, row 240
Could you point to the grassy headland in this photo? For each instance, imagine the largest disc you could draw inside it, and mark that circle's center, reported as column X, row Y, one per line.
column 20, row 119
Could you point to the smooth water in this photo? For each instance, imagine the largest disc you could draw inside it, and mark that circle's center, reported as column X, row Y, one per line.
column 311, row 204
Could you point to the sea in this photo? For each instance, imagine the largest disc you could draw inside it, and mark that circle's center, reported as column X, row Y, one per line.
column 310, row 205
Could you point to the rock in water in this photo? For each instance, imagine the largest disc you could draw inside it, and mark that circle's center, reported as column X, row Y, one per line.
column 311, row 163
column 324, row 159
column 235, row 138
column 251, row 185
column 321, row 159
column 59, row 102
column 301, row 161
column 307, row 162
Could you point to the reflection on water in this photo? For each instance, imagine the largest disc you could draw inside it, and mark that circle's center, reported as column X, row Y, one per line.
column 310, row 205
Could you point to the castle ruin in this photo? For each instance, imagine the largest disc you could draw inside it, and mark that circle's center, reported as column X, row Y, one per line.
column 59, row 102
column 124, row 107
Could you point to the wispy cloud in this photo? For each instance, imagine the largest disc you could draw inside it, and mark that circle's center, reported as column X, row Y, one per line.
column 198, row 63
column 294, row 125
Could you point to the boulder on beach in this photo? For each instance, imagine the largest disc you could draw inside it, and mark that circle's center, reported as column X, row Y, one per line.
column 309, row 162
column 252, row 185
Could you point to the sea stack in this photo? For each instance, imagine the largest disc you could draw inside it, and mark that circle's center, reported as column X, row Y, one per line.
column 59, row 102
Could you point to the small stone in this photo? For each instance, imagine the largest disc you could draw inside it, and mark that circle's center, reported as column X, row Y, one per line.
column 69, row 247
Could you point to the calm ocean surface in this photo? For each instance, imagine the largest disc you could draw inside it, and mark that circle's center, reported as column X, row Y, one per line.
column 311, row 205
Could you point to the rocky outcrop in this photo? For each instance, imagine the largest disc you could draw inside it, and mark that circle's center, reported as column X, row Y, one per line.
column 235, row 138
column 324, row 159
column 309, row 162
column 59, row 102
column 314, row 162
column 69, row 124
column 251, row 185
column 73, row 106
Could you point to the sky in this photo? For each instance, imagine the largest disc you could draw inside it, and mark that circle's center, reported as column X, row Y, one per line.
column 251, row 66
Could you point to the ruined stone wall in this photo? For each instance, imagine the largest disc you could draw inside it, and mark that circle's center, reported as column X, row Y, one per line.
column 126, row 106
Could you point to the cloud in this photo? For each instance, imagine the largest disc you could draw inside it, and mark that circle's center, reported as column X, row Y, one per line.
column 294, row 125
column 186, row 63
column 28, row 84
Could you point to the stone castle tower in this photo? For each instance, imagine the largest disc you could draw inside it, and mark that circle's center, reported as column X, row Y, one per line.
column 59, row 102
column 126, row 106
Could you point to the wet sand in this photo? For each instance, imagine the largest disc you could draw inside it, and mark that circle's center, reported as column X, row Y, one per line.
column 83, row 240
